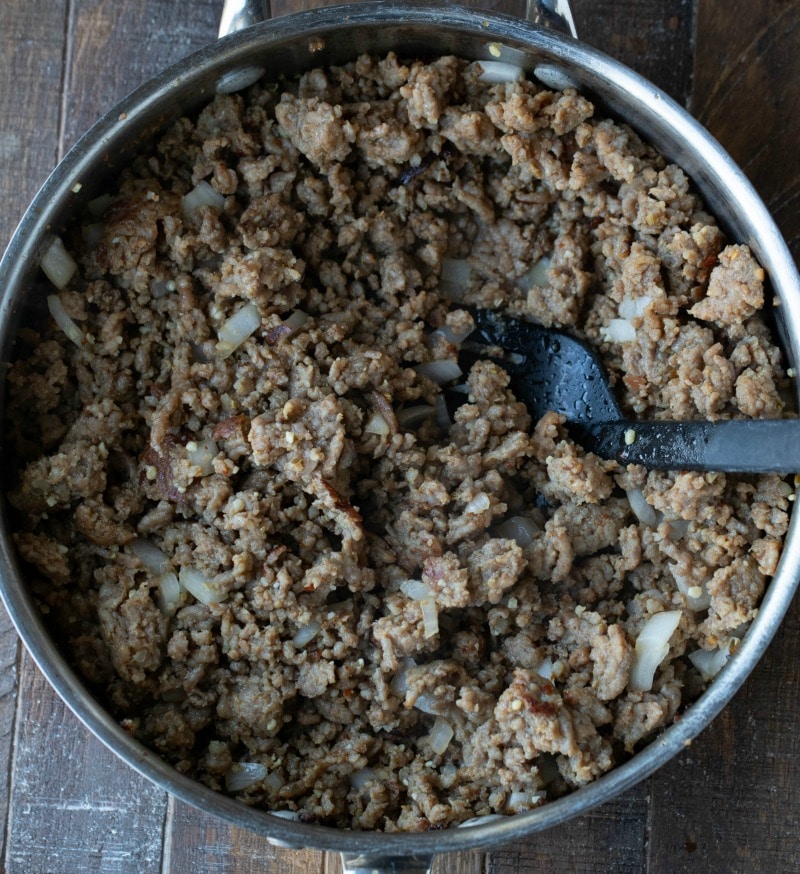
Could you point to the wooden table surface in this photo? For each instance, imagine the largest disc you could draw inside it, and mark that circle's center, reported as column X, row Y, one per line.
column 731, row 802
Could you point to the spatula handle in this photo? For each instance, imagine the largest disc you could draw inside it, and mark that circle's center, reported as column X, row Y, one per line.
column 735, row 446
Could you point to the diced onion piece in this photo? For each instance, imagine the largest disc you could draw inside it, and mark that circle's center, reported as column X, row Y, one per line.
column 740, row 630
column 522, row 529
column 451, row 336
column 99, row 204
column 169, row 593
column 643, row 511
column 430, row 617
column 359, row 779
column 377, row 424
column 677, row 528
column 447, row 775
column 441, row 371
column 455, row 278
column 202, row 194
column 441, row 735
column 238, row 79
column 416, row 590
column 273, row 782
column 286, row 814
column 479, row 504
column 196, row 584
column 59, row 314
column 296, row 320
column 413, row 417
column 399, row 684
column 494, row 72
column 243, row 775
column 619, row 331
column 538, row 275
column 711, row 662
column 520, row 801
column 632, row 307
column 202, row 454
column 652, row 646
column 235, row 330
column 150, row 555
column 58, row 265
column 427, row 704
column 306, row 634
column 442, row 414
column 545, row 669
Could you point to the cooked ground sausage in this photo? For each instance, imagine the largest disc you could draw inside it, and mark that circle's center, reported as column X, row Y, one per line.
column 262, row 535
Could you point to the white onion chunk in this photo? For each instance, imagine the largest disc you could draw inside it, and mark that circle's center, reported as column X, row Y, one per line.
column 652, row 647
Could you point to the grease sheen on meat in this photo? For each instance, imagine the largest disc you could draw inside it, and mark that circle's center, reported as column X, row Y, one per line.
column 356, row 583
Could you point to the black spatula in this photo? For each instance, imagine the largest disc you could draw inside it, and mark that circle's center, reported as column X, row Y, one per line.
column 552, row 371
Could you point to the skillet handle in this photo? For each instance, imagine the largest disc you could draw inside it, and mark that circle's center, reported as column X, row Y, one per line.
column 375, row 863
column 555, row 14
column 239, row 14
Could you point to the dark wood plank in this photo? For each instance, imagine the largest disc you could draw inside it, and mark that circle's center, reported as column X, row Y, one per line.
column 64, row 783
column 653, row 37
column 9, row 655
column 32, row 39
column 32, row 44
column 611, row 838
column 746, row 93
column 747, row 762
column 71, row 808
column 198, row 841
column 746, row 816
column 116, row 46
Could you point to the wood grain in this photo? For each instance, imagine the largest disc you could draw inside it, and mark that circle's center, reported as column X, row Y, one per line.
column 113, row 47
column 657, row 46
column 9, row 654
column 746, row 94
column 747, row 817
column 72, row 808
column 611, row 838
column 32, row 42
column 200, row 842
column 32, row 45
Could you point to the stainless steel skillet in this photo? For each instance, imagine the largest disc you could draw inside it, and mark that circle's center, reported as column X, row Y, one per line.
column 284, row 46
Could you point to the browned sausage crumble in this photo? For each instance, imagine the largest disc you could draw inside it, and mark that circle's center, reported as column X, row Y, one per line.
column 266, row 538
